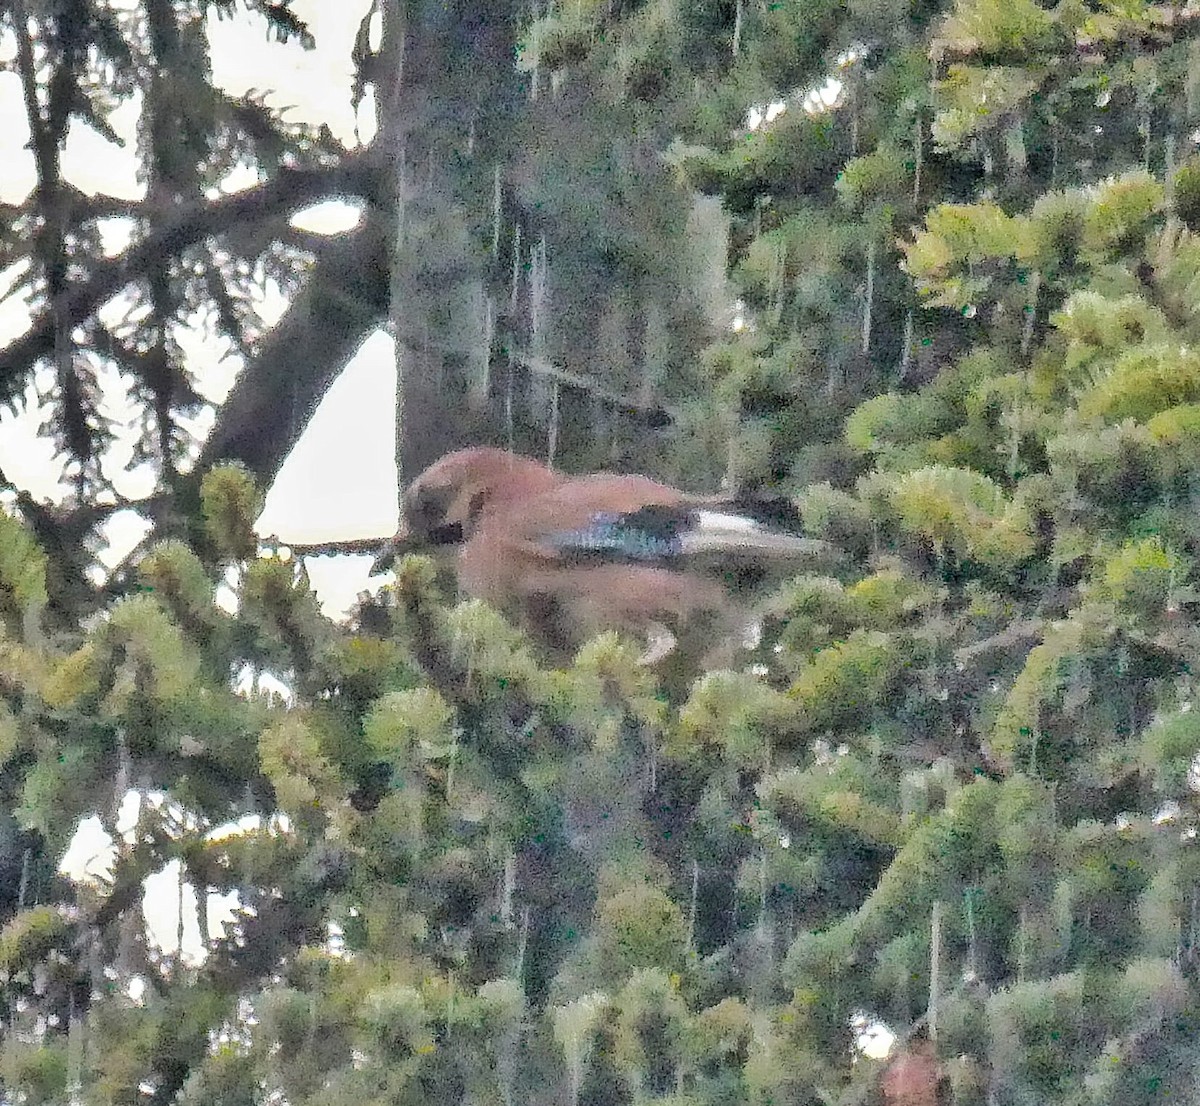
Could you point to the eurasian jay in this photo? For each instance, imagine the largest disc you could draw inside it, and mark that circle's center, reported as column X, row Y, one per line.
column 578, row 555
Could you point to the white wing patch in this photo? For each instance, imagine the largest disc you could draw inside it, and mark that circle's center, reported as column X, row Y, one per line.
column 717, row 520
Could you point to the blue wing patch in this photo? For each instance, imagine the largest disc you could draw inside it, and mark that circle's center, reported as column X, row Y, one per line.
column 651, row 534
column 659, row 533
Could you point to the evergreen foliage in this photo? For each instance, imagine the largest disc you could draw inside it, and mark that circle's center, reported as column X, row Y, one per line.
column 955, row 786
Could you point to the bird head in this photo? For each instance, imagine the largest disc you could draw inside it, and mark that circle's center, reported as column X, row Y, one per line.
column 444, row 504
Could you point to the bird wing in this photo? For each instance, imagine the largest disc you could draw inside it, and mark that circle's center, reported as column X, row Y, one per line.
column 631, row 519
column 610, row 551
column 602, row 515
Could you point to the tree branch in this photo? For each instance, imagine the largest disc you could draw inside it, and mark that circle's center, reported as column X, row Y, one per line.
column 290, row 188
column 343, row 300
column 656, row 414
column 85, row 208
column 42, row 148
column 1020, row 633
column 341, row 547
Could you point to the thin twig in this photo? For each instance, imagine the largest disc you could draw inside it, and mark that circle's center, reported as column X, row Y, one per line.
column 543, row 367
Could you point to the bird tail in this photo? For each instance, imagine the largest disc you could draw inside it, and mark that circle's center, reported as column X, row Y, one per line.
column 727, row 532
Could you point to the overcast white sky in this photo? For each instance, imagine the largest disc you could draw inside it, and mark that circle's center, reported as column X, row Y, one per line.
column 339, row 481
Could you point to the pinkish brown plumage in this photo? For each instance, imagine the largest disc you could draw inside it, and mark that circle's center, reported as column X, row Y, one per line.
column 578, row 555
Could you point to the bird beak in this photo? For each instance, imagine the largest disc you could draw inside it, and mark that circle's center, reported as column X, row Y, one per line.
column 405, row 541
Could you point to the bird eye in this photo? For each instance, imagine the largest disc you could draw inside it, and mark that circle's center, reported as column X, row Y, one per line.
column 426, row 508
